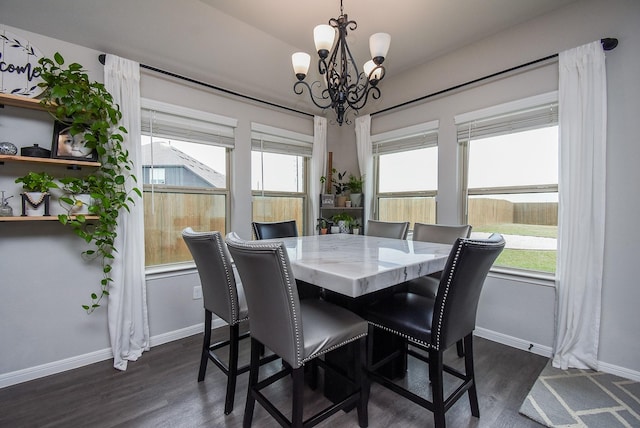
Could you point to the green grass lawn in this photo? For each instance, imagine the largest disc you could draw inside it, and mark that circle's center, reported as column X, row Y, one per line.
column 537, row 260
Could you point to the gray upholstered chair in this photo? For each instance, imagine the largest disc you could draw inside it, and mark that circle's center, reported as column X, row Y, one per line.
column 442, row 234
column 388, row 229
column 223, row 295
column 285, row 229
column 298, row 331
column 434, row 324
column 276, row 229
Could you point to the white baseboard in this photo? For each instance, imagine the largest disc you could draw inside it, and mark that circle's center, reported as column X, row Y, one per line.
column 546, row 351
column 514, row 342
column 36, row 372
column 31, row 373
column 619, row 371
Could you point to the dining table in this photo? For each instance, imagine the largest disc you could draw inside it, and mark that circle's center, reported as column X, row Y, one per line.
column 357, row 265
column 354, row 270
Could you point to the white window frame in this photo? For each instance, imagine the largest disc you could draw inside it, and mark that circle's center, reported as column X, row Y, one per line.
column 270, row 139
column 173, row 122
column 419, row 136
column 516, row 116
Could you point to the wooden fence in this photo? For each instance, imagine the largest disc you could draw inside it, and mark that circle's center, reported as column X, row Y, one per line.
column 170, row 213
column 167, row 214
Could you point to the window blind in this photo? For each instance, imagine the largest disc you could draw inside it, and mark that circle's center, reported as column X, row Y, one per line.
column 180, row 123
column 276, row 140
column 404, row 139
column 531, row 113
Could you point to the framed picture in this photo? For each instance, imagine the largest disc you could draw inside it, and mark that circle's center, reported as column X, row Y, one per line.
column 328, row 200
column 66, row 146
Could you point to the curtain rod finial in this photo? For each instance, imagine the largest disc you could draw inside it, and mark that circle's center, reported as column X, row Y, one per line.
column 609, row 43
column 102, row 58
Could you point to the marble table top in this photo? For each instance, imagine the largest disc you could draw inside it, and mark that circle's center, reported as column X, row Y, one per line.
column 354, row 265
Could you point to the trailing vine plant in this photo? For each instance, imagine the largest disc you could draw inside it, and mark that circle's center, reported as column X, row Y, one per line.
column 88, row 109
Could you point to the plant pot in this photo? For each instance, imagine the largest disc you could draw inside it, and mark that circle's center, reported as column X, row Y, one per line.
column 356, row 231
column 356, row 199
column 81, row 206
column 341, row 200
column 35, row 204
column 343, row 226
column 323, row 231
column 335, row 229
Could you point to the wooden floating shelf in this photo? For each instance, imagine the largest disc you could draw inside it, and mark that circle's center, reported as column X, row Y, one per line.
column 43, row 218
column 23, row 102
column 48, row 161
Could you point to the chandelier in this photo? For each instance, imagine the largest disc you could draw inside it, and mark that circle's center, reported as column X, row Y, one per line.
column 343, row 86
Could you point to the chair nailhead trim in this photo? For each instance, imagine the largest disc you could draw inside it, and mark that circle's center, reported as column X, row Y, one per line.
column 311, row 357
column 404, row 335
column 230, row 285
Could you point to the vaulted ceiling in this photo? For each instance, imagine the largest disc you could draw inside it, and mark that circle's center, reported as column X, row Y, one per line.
column 245, row 45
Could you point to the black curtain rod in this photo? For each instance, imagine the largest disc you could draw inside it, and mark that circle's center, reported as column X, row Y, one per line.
column 607, row 44
column 102, row 58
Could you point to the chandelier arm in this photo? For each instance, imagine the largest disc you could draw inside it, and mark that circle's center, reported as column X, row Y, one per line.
column 364, row 97
column 313, row 98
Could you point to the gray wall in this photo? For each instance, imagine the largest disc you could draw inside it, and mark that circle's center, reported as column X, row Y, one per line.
column 44, row 330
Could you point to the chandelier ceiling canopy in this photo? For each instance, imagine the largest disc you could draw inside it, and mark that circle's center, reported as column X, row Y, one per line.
column 343, row 85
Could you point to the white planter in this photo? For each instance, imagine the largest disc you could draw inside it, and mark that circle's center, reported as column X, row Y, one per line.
column 81, row 206
column 342, row 225
column 356, row 199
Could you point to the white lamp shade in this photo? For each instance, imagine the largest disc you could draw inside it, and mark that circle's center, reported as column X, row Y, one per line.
column 368, row 68
column 300, row 61
column 379, row 44
column 323, row 36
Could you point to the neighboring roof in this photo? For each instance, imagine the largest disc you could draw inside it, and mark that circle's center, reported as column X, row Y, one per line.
column 167, row 155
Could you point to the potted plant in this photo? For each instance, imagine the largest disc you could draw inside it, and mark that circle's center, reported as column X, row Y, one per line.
column 355, row 186
column 35, row 198
column 339, row 185
column 355, row 227
column 344, row 221
column 87, row 108
column 77, row 198
column 322, row 225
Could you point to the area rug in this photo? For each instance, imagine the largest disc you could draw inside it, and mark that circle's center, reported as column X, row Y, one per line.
column 582, row 398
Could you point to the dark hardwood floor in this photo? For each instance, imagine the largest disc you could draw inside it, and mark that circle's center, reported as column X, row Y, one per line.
column 161, row 390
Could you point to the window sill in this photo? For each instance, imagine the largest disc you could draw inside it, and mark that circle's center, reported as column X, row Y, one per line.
column 169, row 270
column 529, row 277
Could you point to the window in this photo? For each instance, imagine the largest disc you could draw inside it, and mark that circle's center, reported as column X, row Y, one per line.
column 279, row 174
column 185, row 170
column 511, row 176
column 400, row 195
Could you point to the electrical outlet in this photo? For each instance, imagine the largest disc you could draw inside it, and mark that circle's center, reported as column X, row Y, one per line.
column 197, row 292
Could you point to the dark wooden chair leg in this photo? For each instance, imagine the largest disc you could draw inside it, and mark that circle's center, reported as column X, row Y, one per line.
column 435, row 360
column 313, row 376
column 234, row 333
column 362, row 382
column 206, row 342
column 470, row 372
column 460, row 348
column 253, row 380
column 298, row 397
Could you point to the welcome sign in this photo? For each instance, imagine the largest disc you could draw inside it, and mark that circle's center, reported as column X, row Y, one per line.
column 18, row 63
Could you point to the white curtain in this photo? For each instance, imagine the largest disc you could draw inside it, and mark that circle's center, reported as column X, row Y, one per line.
column 365, row 162
column 318, row 167
column 127, row 309
column 581, row 214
